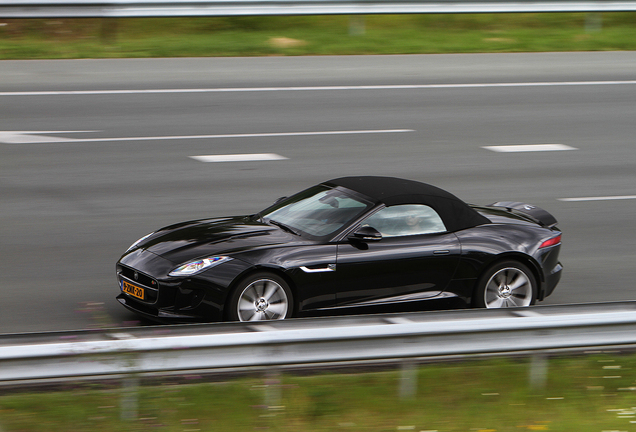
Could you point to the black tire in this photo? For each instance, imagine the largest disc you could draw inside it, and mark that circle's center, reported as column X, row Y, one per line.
column 261, row 296
column 506, row 284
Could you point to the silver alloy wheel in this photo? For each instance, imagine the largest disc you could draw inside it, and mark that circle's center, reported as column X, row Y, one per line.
column 508, row 287
column 263, row 299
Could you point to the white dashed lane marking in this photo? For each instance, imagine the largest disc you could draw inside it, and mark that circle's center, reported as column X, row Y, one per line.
column 529, row 148
column 239, row 157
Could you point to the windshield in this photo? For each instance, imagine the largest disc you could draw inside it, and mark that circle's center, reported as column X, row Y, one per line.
column 318, row 211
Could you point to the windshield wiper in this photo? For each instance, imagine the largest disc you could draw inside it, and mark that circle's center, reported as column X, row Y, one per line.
column 284, row 227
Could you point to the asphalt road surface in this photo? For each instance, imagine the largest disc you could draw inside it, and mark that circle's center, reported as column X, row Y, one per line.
column 97, row 153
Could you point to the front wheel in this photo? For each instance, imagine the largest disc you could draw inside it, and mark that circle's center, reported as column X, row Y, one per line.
column 262, row 296
column 506, row 284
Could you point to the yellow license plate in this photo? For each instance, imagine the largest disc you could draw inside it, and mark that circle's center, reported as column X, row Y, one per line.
column 132, row 290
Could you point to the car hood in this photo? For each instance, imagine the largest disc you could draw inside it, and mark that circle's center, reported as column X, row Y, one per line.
column 195, row 239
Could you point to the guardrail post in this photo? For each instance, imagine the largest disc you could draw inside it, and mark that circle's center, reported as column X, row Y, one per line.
column 408, row 380
column 273, row 394
column 593, row 22
column 129, row 409
column 130, row 398
column 538, row 371
column 356, row 25
column 108, row 31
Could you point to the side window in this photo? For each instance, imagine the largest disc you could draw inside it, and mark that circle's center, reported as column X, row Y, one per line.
column 403, row 220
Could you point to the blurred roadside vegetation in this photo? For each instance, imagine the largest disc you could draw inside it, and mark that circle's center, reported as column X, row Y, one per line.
column 590, row 393
column 315, row 35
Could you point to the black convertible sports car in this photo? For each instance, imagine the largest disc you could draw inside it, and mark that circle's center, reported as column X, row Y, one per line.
column 349, row 244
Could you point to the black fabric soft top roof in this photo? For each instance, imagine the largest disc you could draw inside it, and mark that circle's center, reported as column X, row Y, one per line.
column 390, row 191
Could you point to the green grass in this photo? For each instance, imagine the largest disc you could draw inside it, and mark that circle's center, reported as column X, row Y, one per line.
column 314, row 35
column 591, row 393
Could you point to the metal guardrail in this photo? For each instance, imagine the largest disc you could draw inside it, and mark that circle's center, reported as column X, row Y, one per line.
column 279, row 344
column 171, row 8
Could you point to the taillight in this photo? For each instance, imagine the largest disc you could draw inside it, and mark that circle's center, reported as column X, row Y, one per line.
column 551, row 242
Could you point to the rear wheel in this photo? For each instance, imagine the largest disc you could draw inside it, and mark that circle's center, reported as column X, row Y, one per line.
column 262, row 296
column 506, row 284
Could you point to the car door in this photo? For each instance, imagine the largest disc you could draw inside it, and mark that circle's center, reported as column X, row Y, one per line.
column 312, row 269
column 415, row 259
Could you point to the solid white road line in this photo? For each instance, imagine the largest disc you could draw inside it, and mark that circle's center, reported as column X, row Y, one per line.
column 600, row 198
column 317, row 88
column 529, row 148
column 239, row 157
column 22, row 138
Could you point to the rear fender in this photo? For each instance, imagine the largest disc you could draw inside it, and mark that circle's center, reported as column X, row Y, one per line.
column 531, row 263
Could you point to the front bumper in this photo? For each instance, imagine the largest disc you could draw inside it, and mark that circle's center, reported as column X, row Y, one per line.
column 154, row 314
column 183, row 300
column 198, row 298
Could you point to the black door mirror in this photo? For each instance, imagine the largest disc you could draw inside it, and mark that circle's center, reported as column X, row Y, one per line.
column 366, row 234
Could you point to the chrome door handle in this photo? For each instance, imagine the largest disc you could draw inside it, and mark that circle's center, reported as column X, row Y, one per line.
column 329, row 268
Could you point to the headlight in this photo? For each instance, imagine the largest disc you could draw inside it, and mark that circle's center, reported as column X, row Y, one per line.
column 196, row 266
column 134, row 245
